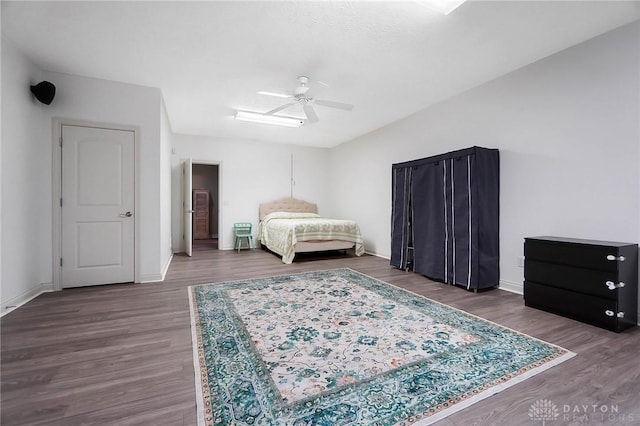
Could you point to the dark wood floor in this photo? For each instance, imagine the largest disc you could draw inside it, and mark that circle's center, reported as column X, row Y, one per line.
column 121, row 354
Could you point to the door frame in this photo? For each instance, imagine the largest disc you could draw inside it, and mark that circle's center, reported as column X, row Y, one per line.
column 56, row 181
column 220, row 186
column 187, row 206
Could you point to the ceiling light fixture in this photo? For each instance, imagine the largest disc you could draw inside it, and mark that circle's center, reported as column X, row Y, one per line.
column 443, row 6
column 255, row 117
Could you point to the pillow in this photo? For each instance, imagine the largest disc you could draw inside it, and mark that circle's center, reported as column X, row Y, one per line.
column 290, row 215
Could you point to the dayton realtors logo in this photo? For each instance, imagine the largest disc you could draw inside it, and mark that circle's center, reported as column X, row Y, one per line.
column 544, row 411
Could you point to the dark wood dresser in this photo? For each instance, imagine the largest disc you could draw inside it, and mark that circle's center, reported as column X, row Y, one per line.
column 595, row 282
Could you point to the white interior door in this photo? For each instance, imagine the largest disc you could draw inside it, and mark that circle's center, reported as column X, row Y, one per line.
column 187, row 234
column 97, row 206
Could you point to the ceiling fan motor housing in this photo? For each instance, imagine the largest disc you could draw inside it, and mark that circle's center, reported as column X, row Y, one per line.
column 302, row 88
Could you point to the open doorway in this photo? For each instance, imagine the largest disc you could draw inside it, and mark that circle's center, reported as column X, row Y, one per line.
column 205, row 202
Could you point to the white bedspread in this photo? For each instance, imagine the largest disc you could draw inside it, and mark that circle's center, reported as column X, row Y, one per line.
column 280, row 231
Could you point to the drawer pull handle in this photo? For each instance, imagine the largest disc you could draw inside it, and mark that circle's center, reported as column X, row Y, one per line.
column 612, row 286
column 612, row 257
column 611, row 313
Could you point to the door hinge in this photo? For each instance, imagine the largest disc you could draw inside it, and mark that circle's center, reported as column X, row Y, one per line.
column 60, row 201
column 60, row 261
column 60, row 140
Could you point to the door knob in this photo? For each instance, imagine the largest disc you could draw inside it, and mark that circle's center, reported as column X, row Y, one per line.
column 127, row 214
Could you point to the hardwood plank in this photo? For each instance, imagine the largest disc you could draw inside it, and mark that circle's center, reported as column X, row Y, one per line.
column 121, row 354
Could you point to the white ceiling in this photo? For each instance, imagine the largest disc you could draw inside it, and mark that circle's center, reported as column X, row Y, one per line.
column 388, row 58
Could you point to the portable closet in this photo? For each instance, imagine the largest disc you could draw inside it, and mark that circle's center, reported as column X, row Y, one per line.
column 445, row 217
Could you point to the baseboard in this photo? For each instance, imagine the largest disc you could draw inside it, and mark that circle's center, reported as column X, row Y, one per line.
column 511, row 286
column 166, row 266
column 377, row 255
column 154, row 278
column 151, row 278
column 14, row 303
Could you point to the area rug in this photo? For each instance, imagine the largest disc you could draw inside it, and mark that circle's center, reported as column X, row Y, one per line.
column 340, row 348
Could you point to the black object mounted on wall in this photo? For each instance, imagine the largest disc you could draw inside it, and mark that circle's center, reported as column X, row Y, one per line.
column 44, row 91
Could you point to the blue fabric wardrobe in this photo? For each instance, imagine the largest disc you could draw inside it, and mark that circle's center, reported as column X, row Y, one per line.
column 446, row 215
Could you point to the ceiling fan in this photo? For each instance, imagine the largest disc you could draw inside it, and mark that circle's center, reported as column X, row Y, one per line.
column 299, row 96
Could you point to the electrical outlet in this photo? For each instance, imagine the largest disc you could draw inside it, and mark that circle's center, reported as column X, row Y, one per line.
column 520, row 261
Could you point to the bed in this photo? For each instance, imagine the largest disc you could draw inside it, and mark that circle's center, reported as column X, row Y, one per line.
column 289, row 226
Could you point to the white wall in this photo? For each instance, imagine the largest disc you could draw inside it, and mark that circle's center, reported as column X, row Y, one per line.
column 250, row 173
column 166, row 135
column 567, row 129
column 95, row 100
column 27, row 190
column 26, row 167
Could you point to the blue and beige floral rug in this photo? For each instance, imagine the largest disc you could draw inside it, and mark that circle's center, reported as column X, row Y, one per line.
column 340, row 348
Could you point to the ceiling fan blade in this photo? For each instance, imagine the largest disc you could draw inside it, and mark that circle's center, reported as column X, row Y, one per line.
column 280, row 108
column 332, row 104
column 277, row 95
column 310, row 113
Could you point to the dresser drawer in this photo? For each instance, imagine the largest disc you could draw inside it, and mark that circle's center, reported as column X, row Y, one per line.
column 582, row 307
column 590, row 256
column 587, row 281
